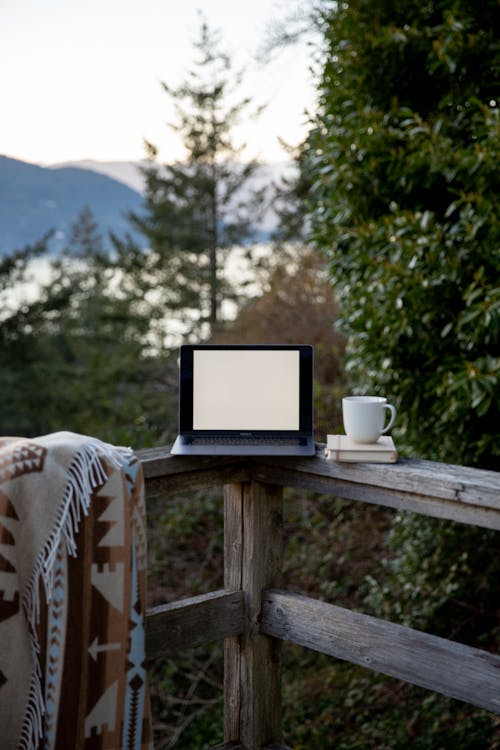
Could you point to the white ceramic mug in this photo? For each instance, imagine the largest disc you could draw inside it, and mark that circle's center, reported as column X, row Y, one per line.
column 364, row 417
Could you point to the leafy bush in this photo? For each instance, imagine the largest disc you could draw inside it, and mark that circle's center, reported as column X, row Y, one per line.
column 404, row 204
column 402, row 162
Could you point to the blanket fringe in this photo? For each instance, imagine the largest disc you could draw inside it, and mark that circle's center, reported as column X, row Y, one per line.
column 86, row 473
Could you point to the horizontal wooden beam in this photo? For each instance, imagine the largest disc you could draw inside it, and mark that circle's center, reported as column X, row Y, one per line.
column 431, row 478
column 164, row 473
column 453, row 669
column 456, row 493
column 193, row 622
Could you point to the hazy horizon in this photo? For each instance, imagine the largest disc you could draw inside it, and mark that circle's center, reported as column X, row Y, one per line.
column 85, row 79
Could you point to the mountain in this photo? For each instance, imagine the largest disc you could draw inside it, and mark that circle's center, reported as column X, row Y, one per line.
column 266, row 175
column 127, row 172
column 35, row 199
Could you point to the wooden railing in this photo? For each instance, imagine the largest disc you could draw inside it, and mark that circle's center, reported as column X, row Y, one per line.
column 253, row 614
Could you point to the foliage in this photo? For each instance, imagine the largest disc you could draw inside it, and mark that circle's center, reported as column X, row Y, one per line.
column 185, row 551
column 196, row 210
column 76, row 356
column 404, row 204
column 186, row 697
column 343, row 706
column 442, row 576
column 333, row 552
column 402, row 163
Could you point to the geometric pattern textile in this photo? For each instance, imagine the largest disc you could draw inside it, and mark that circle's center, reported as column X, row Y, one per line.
column 72, row 596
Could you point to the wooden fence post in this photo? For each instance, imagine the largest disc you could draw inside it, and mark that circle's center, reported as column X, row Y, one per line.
column 253, row 550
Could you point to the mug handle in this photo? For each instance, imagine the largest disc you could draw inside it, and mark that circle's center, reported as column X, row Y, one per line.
column 392, row 409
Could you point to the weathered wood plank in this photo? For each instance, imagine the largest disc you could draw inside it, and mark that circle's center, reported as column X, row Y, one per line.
column 193, row 621
column 253, row 563
column 164, row 473
column 262, row 568
column 471, row 496
column 254, row 556
column 228, row 746
column 233, row 579
column 195, row 480
column 457, row 493
column 159, row 462
column 437, row 664
column 430, row 478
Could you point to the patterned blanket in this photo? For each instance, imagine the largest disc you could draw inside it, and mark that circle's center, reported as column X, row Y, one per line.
column 72, row 596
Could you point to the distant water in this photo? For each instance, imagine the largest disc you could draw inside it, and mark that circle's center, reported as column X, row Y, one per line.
column 38, row 275
column 240, row 269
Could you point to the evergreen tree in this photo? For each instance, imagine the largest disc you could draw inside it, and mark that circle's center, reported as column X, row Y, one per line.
column 85, row 240
column 18, row 320
column 195, row 211
column 77, row 355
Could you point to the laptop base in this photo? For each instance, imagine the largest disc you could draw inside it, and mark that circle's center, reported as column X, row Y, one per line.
column 185, row 447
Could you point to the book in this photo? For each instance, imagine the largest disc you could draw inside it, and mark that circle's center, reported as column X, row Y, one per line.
column 342, row 448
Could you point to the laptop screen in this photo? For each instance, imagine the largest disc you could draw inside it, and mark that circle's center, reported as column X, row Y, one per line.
column 246, row 389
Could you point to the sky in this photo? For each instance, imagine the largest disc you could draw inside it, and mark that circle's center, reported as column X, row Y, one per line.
column 81, row 79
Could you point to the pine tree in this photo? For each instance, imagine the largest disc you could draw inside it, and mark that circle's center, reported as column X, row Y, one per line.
column 195, row 211
column 78, row 355
column 85, row 239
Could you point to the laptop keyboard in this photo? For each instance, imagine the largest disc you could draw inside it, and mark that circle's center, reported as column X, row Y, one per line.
column 244, row 441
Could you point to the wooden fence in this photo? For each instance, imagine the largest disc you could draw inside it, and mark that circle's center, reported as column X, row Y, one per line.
column 253, row 614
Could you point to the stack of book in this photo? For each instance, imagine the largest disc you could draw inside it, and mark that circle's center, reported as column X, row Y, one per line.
column 342, row 448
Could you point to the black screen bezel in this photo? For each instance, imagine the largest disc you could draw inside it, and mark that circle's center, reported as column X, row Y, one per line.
column 306, row 363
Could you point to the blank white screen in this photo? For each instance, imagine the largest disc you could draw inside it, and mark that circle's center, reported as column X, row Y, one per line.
column 246, row 390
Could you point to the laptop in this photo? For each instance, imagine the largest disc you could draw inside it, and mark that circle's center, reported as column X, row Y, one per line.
column 245, row 400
